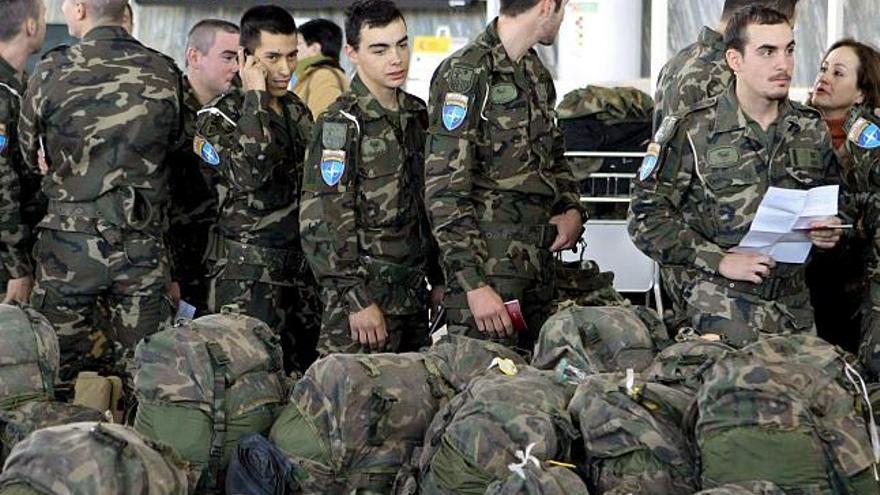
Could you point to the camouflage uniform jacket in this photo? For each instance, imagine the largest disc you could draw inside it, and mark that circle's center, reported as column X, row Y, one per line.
column 700, row 186
column 14, row 255
column 107, row 110
column 494, row 154
column 365, row 229
column 194, row 195
column 697, row 72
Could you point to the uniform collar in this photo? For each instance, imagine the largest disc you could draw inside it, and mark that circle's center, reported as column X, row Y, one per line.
column 190, row 99
column 501, row 61
column 9, row 76
column 730, row 117
column 711, row 39
column 107, row 33
column 370, row 106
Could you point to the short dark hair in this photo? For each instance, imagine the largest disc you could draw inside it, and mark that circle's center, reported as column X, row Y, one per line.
column 369, row 13
column 269, row 18
column 868, row 78
column 787, row 7
column 735, row 34
column 324, row 32
column 14, row 13
column 202, row 35
column 513, row 8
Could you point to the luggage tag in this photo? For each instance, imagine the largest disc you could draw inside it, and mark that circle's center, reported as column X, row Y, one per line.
column 514, row 310
column 185, row 311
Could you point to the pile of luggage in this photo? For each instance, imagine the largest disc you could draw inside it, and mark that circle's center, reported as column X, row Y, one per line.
column 608, row 404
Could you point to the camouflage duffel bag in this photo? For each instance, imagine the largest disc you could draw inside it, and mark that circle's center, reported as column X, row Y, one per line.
column 476, row 436
column 18, row 423
column 29, row 357
column 745, row 488
column 788, row 410
column 529, row 479
column 683, row 364
column 634, row 436
column 92, row 459
column 205, row 383
column 354, row 420
column 596, row 339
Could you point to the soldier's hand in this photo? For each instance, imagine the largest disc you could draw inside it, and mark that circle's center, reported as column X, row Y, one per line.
column 746, row 267
column 823, row 234
column 569, row 226
column 253, row 73
column 42, row 163
column 368, row 327
column 489, row 312
column 19, row 290
column 174, row 293
column 436, row 299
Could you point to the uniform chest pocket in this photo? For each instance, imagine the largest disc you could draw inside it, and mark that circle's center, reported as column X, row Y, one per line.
column 382, row 184
column 277, row 193
column 508, row 139
column 805, row 166
column 722, row 179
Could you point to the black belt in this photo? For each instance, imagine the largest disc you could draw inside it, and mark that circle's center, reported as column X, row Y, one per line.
column 770, row 289
column 273, row 258
column 541, row 236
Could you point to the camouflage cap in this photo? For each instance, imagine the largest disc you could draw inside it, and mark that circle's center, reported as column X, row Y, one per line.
column 606, row 104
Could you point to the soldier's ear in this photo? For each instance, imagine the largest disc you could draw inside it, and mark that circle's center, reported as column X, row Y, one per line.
column 351, row 53
column 734, row 59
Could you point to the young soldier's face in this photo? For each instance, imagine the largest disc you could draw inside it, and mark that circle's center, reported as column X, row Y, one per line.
column 277, row 52
column 766, row 66
column 383, row 56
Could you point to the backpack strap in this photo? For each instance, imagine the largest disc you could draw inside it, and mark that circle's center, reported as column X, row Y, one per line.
column 219, row 360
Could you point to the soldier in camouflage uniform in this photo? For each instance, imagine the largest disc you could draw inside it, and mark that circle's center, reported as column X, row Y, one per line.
column 697, row 72
column 699, row 188
column 211, row 65
column 363, row 219
column 104, row 111
column 500, row 194
column 256, row 138
column 21, row 35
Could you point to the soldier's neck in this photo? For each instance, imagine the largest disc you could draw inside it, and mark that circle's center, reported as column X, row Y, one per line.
column 203, row 94
column 760, row 109
column 387, row 97
column 15, row 54
column 516, row 37
column 275, row 105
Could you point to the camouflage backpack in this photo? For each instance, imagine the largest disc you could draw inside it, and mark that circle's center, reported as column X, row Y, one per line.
column 354, row 420
column 93, row 459
column 634, row 435
column 29, row 360
column 498, row 420
column 529, row 479
column 596, row 339
column 682, row 365
column 205, row 383
column 745, row 488
column 788, row 410
column 29, row 357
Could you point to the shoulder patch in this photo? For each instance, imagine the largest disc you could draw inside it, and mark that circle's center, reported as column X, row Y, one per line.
column 206, row 151
column 503, row 93
column 455, row 109
column 56, row 50
column 649, row 163
column 4, row 139
column 461, row 78
column 333, row 135
column 332, row 166
column 864, row 134
column 666, row 130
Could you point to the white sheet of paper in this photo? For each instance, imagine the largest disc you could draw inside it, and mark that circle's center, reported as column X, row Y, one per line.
column 777, row 229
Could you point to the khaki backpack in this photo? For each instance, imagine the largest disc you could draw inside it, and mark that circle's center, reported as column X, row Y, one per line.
column 203, row 384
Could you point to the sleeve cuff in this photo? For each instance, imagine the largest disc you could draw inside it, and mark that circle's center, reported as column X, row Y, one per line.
column 356, row 299
column 471, row 279
column 709, row 259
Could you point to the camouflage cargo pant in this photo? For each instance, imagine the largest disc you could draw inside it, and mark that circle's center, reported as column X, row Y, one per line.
column 741, row 318
column 77, row 274
column 293, row 309
column 674, row 280
column 406, row 333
